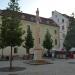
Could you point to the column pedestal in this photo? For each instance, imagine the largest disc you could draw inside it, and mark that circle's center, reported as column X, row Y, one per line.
column 38, row 54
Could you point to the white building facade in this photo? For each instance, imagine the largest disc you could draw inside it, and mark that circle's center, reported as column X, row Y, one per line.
column 63, row 21
column 30, row 20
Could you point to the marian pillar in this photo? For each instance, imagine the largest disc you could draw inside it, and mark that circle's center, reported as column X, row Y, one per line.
column 37, row 49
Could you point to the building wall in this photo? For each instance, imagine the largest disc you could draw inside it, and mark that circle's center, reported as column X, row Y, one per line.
column 33, row 26
column 58, row 18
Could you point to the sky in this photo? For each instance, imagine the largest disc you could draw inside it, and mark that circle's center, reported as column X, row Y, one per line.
column 45, row 6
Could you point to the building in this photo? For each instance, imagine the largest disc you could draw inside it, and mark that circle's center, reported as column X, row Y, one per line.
column 63, row 21
column 44, row 24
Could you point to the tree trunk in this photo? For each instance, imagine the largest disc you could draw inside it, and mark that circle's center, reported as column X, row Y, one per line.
column 2, row 54
column 27, row 52
column 11, row 59
column 48, row 51
column 67, row 54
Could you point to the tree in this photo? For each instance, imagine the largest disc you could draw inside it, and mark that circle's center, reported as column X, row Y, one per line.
column 2, row 47
column 3, row 29
column 13, row 32
column 47, row 43
column 29, row 41
column 69, row 41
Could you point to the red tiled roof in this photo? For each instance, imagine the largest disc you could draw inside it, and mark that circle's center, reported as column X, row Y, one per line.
column 32, row 18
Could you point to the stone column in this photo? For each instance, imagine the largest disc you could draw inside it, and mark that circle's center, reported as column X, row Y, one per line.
column 37, row 49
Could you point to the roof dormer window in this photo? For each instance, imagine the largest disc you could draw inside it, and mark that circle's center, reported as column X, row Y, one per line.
column 47, row 22
column 32, row 18
column 23, row 16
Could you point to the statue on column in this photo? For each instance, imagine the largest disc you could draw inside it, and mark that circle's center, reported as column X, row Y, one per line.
column 37, row 49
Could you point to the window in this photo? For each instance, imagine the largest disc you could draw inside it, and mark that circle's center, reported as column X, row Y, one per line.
column 32, row 18
column 40, row 20
column 58, row 20
column 62, row 27
column 23, row 16
column 62, row 20
column 55, row 15
column 55, row 41
column 47, row 22
column 63, row 35
column 15, row 50
column 39, row 40
column 55, row 31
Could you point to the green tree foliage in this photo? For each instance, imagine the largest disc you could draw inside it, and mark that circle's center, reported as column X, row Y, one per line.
column 70, row 37
column 3, row 29
column 29, row 41
column 2, row 46
column 11, row 30
column 47, row 43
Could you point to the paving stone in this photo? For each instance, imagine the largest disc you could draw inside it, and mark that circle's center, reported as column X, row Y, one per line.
column 60, row 67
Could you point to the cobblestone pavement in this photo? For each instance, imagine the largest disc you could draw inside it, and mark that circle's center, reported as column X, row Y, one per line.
column 60, row 67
